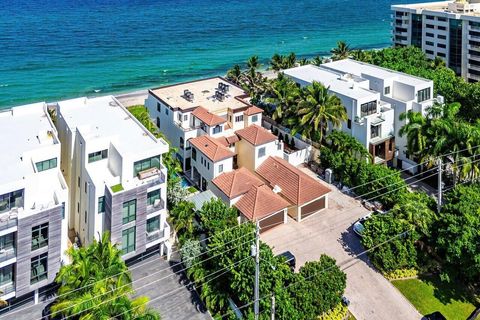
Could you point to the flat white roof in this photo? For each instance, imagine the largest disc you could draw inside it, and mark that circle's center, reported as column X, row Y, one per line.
column 23, row 129
column 336, row 81
column 358, row 68
column 435, row 6
column 105, row 117
column 203, row 95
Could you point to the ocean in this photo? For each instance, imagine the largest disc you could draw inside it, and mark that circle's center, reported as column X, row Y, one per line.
column 58, row 49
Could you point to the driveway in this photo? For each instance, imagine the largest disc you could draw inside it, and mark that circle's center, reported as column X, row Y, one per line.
column 371, row 295
column 174, row 301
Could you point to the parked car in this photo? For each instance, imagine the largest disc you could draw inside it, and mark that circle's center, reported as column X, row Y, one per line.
column 437, row 315
column 345, row 301
column 289, row 259
column 358, row 226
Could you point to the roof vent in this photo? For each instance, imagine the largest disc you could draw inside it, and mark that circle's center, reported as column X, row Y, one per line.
column 112, row 104
column 188, row 95
column 277, row 189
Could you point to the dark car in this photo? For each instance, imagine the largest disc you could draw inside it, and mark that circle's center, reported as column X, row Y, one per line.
column 437, row 315
column 289, row 259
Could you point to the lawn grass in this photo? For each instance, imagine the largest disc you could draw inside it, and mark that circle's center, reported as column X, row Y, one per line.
column 429, row 294
column 192, row 189
column 117, row 188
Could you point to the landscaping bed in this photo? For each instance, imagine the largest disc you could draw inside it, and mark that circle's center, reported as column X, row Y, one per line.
column 429, row 294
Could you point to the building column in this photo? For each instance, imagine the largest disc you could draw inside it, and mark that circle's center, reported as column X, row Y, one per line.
column 35, row 296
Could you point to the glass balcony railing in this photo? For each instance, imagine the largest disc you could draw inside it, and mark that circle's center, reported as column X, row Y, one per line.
column 159, row 204
column 7, row 253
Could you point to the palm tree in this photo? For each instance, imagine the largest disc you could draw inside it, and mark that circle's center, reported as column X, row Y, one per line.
column 182, row 218
column 318, row 60
column 342, row 51
column 276, row 62
column 234, row 74
column 290, row 60
column 253, row 62
column 97, row 284
column 414, row 129
column 303, row 61
column 283, row 93
column 318, row 111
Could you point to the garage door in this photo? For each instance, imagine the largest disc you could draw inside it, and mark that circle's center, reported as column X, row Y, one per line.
column 273, row 221
column 312, row 208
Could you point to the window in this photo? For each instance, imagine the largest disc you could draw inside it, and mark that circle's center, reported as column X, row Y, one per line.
column 429, row 51
column 442, row 28
column 78, row 181
column 38, row 268
column 441, row 45
column 46, row 164
column 179, row 117
column 128, row 240
column 85, row 217
column 431, row 35
column 387, row 90
column 153, row 224
column 430, row 26
column 63, row 210
column 220, row 168
column 441, row 36
column 158, row 106
column 129, row 211
column 182, row 143
column 217, row 129
column 11, row 200
column 6, row 275
column 455, row 50
column 194, row 154
column 101, row 204
column 374, row 132
column 78, row 207
column 185, row 117
column 142, row 165
column 85, row 187
column 261, row 152
column 423, row 95
column 441, row 19
column 239, row 118
column 430, row 17
column 40, row 236
column 158, row 122
column 208, row 164
column 429, row 43
column 368, row 108
column 152, row 196
column 349, row 124
column 441, row 54
column 166, row 111
column 255, row 118
column 96, row 156
column 7, row 242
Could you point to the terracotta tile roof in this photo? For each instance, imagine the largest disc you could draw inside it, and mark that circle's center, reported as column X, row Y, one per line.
column 256, row 135
column 208, row 118
column 227, row 141
column 252, row 110
column 237, row 182
column 297, row 187
column 260, row 202
column 211, row 148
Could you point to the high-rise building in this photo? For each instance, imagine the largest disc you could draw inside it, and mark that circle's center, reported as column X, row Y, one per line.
column 449, row 30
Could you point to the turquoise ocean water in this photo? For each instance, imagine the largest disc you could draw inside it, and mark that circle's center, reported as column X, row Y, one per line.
column 56, row 49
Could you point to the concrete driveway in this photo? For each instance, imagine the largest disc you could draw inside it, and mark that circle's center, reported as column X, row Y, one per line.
column 371, row 295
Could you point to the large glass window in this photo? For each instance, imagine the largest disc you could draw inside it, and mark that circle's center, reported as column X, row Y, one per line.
column 129, row 211
column 40, row 236
column 255, row 118
column 7, row 242
column 261, row 152
column 423, row 95
column 152, row 196
column 11, row 200
column 6, row 275
column 368, row 108
column 46, row 164
column 416, row 30
column 39, row 268
column 101, row 204
column 217, row 129
column 182, row 143
column 96, row 156
column 145, row 164
column 374, row 132
column 239, row 118
column 194, row 154
column 153, row 224
column 128, row 240
column 455, row 46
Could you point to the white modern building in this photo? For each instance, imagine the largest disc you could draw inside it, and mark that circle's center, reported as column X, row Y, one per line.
column 449, row 30
column 33, row 202
column 374, row 98
column 117, row 181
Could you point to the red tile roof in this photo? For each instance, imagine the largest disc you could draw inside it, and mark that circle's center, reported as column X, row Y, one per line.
column 256, row 135
column 237, row 182
column 211, row 148
column 208, row 118
column 252, row 110
column 227, row 141
column 260, row 202
column 297, row 187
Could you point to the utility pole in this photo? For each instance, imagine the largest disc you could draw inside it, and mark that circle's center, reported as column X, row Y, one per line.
column 439, row 203
column 272, row 317
column 257, row 271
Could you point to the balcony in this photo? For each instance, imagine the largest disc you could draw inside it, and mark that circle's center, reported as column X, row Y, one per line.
column 473, row 77
column 159, row 204
column 152, row 176
column 9, row 219
column 7, row 289
column 7, row 253
column 159, row 234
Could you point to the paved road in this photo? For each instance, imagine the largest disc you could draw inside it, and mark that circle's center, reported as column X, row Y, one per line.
column 175, row 302
column 372, row 296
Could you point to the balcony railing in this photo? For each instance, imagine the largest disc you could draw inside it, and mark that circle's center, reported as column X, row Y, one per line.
column 8, row 220
column 159, row 234
column 7, row 253
column 156, row 206
column 7, row 288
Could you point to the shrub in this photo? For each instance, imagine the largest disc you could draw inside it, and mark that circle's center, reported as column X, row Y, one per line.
column 401, row 274
column 337, row 313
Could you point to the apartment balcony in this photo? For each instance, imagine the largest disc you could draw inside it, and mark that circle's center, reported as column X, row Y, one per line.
column 473, row 28
column 158, row 205
column 9, row 219
column 7, row 253
column 473, row 67
column 159, row 235
column 152, row 176
column 186, row 128
column 7, row 290
column 475, row 38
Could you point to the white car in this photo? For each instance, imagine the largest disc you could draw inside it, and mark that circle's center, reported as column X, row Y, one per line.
column 358, row 226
